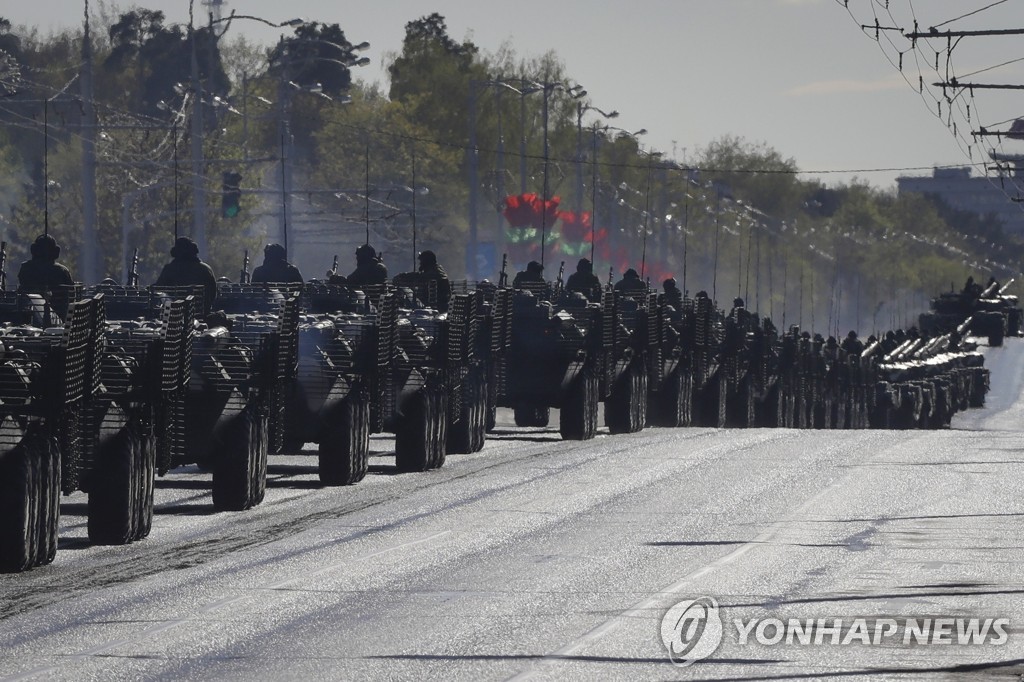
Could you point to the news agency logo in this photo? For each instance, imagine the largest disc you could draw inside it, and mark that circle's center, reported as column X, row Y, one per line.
column 693, row 629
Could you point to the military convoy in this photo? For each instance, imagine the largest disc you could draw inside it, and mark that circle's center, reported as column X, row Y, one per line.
column 103, row 389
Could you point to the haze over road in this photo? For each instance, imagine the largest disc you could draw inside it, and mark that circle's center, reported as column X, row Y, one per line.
column 548, row 559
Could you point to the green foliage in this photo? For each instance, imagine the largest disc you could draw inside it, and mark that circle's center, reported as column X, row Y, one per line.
column 746, row 222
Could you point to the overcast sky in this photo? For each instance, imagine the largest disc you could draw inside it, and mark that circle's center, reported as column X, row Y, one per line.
column 798, row 75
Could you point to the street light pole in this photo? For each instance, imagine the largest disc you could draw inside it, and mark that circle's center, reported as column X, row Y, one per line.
column 548, row 87
column 198, row 186
column 90, row 248
column 474, row 182
column 582, row 108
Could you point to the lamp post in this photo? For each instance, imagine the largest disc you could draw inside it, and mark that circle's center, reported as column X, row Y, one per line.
column 284, row 120
column 548, row 87
column 198, row 186
column 582, row 108
column 473, row 164
column 634, row 135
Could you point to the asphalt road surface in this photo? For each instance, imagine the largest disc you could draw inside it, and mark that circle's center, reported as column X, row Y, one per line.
column 548, row 560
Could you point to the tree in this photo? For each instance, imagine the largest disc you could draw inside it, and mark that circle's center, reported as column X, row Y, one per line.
column 318, row 56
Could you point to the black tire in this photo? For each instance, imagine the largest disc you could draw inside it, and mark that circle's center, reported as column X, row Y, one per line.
column 237, row 467
column 413, row 448
column 262, row 454
column 532, row 416
column 147, row 471
column 345, row 448
column 19, row 507
column 114, row 489
column 49, row 506
column 578, row 416
column 625, row 410
column 741, row 407
column 439, row 430
column 491, row 417
column 671, row 402
column 466, row 433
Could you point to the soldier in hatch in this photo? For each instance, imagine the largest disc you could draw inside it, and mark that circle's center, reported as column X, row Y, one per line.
column 186, row 269
column 276, row 267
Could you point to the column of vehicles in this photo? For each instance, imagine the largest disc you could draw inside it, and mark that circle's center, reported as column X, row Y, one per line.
column 105, row 387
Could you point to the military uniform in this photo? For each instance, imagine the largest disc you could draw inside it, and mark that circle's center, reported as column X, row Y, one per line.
column 534, row 272
column 43, row 274
column 630, row 283
column 187, row 270
column 276, row 268
column 584, row 280
column 369, row 268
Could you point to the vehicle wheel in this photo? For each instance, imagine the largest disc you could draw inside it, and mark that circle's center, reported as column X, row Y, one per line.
column 464, row 435
column 49, row 506
column 532, row 416
column 439, row 429
column 19, row 507
column 712, row 402
column 670, row 403
column 114, row 489
column 625, row 410
column 148, row 475
column 578, row 417
column 413, row 450
column 262, row 454
column 742, row 405
column 237, row 465
column 492, row 417
column 345, row 448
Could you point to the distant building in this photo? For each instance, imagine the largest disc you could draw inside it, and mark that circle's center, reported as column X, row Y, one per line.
column 979, row 195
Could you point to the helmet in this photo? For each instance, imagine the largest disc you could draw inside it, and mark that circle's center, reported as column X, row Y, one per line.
column 737, row 302
column 534, row 266
column 669, row 283
column 45, row 246
column 631, row 274
column 184, row 247
column 428, row 258
column 274, row 252
column 584, row 265
column 366, row 251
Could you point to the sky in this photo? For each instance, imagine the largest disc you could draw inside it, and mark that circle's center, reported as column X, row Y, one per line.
column 798, row 75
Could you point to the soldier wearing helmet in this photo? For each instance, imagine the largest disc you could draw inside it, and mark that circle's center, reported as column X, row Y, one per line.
column 631, row 282
column 370, row 268
column 43, row 274
column 431, row 270
column 584, row 280
column 276, row 267
column 186, row 269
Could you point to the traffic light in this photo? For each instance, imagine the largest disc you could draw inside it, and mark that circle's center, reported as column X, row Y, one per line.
column 231, row 195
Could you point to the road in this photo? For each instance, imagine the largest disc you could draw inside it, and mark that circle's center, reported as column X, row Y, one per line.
column 538, row 559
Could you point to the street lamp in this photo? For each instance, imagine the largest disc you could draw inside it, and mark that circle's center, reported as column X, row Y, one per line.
column 474, row 163
column 634, row 135
column 198, row 188
column 582, row 108
column 576, row 92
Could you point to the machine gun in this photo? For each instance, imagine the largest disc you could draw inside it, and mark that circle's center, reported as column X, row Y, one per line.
column 133, row 273
column 243, row 276
column 559, row 285
column 503, row 276
column 3, row 266
column 611, row 275
column 333, row 272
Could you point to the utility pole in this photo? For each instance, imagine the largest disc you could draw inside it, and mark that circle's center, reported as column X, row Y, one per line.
column 474, row 182
column 198, row 186
column 89, row 267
